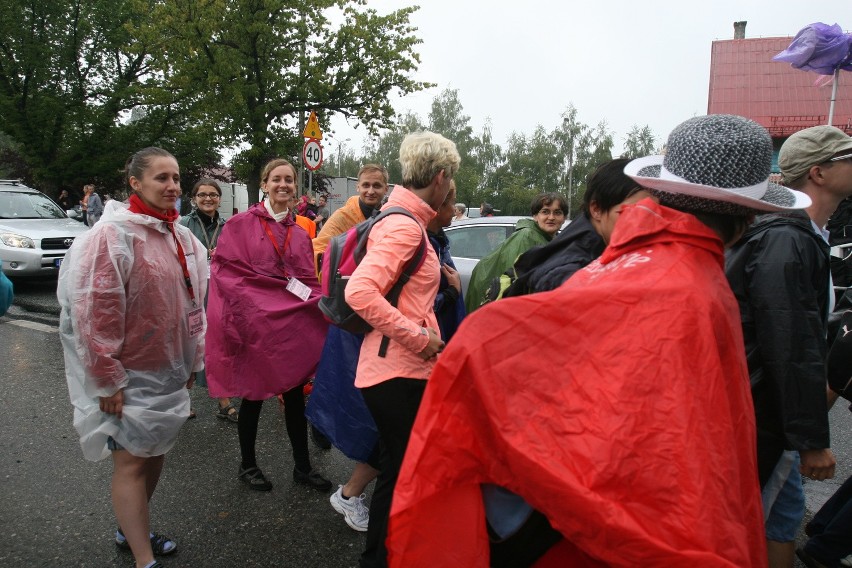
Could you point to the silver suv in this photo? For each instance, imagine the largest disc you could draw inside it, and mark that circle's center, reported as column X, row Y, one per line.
column 35, row 233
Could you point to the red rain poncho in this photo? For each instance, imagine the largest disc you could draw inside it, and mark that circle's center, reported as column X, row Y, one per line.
column 618, row 405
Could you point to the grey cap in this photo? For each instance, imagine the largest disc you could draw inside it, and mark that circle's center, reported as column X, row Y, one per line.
column 809, row 147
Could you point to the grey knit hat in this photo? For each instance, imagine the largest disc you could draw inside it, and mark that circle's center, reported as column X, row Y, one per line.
column 718, row 157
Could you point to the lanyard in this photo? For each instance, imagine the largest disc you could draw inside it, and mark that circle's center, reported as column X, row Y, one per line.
column 275, row 243
column 182, row 260
column 208, row 240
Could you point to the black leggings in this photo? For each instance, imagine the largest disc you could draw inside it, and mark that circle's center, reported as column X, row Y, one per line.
column 393, row 405
column 294, row 418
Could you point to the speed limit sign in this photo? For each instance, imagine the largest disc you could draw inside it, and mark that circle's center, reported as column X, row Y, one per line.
column 312, row 154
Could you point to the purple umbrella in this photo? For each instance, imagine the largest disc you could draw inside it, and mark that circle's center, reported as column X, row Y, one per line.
column 823, row 49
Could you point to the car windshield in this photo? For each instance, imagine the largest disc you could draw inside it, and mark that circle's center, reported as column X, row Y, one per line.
column 476, row 241
column 21, row 205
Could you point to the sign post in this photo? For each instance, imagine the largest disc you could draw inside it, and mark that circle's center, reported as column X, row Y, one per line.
column 312, row 150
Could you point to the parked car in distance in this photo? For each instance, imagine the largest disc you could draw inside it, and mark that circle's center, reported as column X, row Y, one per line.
column 473, row 239
column 35, row 233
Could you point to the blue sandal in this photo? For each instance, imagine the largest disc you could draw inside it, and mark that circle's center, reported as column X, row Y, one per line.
column 160, row 545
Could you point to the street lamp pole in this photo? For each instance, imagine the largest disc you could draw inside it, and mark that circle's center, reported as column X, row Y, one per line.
column 570, row 176
column 340, row 145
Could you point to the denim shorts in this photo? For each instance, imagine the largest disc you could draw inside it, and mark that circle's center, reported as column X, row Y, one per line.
column 112, row 445
column 784, row 500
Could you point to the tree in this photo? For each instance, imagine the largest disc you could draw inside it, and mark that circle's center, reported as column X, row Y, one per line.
column 487, row 157
column 533, row 165
column 345, row 165
column 385, row 149
column 448, row 119
column 70, row 75
column 639, row 142
column 260, row 64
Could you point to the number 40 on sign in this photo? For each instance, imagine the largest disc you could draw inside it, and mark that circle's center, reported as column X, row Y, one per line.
column 312, row 154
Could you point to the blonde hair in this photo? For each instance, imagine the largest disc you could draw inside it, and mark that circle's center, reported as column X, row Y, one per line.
column 423, row 155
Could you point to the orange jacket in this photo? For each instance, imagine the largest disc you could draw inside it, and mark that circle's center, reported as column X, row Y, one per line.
column 309, row 226
column 340, row 221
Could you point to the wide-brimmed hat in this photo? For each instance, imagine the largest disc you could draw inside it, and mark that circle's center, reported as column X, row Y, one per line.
column 718, row 157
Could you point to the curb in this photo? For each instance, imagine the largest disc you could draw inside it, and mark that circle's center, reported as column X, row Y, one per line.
column 46, row 317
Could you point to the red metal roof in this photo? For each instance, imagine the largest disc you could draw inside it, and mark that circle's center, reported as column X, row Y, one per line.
column 745, row 81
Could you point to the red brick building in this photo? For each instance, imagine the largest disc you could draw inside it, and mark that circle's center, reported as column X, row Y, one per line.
column 745, row 81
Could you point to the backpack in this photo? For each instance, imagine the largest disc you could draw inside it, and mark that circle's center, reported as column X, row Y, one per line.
column 344, row 253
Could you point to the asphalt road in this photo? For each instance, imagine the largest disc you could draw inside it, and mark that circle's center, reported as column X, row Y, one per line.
column 56, row 508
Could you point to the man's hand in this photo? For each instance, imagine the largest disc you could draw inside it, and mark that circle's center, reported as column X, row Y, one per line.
column 435, row 345
column 113, row 404
column 817, row 464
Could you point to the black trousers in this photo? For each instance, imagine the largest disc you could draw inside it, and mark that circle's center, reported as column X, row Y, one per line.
column 832, row 527
column 393, row 404
column 294, row 418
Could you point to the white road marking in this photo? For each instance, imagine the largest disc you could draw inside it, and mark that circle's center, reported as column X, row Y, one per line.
column 33, row 325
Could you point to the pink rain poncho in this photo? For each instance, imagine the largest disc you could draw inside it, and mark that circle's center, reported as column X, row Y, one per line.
column 262, row 339
column 125, row 325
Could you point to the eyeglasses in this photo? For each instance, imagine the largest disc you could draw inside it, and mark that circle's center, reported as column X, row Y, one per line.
column 207, row 195
column 554, row 212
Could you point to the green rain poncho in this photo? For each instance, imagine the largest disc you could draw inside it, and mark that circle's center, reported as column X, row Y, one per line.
column 527, row 235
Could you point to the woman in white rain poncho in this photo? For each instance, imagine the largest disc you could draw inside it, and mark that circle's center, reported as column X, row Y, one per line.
column 132, row 327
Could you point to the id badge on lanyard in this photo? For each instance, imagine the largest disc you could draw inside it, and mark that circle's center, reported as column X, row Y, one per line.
column 294, row 285
column 195, row 321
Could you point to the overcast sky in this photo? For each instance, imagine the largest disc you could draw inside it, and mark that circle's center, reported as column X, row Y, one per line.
column 624, row 61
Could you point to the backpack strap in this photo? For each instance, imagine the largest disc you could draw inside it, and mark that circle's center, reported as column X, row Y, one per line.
column 412, row 266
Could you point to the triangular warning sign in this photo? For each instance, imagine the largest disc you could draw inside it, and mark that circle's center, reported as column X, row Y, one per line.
column 313, row 130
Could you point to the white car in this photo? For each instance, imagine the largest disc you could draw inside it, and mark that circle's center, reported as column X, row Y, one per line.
column 473, row 239
column 35, row 233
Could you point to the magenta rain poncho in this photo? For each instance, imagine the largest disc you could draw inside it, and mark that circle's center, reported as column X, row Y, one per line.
column 262, row 340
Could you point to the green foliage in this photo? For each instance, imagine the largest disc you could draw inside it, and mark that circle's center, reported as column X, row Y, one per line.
column 639, row 142
column 71, row 74
column 557, row 161
column 448, row 119
column 274, row 60
column 385, row 149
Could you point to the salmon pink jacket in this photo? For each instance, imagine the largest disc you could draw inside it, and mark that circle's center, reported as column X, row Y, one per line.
column 392, row 242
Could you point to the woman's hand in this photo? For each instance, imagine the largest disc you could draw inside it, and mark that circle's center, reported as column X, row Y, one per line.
column 435, row 345
column 113, row 404
column 453, row 277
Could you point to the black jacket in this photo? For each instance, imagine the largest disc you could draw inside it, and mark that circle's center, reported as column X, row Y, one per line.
column 779, row 273
column 547, row 267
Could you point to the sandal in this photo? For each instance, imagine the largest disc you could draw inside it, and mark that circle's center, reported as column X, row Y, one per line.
column 229, row 412
column 255, row 479
column 160, row 545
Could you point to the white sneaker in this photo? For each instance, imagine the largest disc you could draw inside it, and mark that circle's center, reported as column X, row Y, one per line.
column 354, row 512
column 846, row 561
